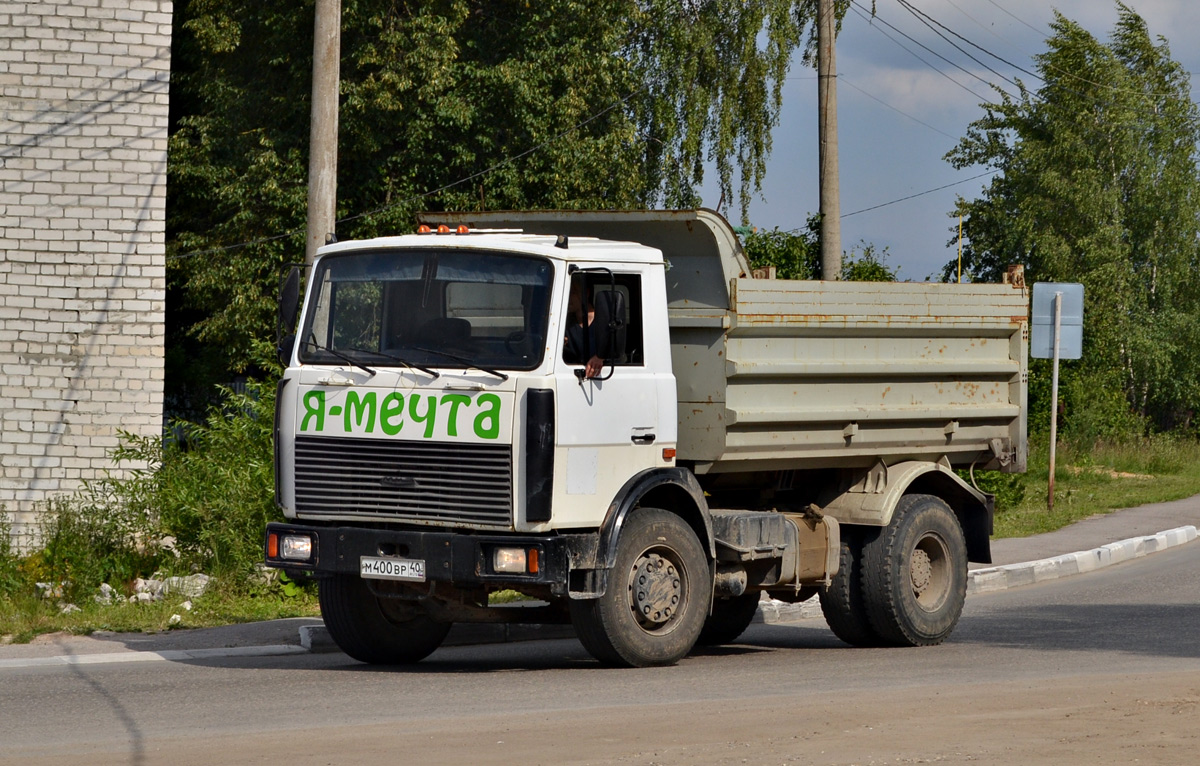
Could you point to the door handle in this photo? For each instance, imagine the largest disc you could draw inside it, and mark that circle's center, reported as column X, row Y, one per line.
column 642, row 438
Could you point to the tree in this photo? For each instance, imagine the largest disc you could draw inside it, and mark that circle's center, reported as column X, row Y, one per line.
column 867, row 265
column 449, row 104
column 1098, row 185
column 796, row 254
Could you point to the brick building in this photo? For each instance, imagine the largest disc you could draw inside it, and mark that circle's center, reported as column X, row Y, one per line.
column 83, row 163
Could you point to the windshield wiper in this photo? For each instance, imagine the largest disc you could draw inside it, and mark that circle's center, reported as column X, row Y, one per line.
column 399, row 359
column 463, row 359
column 311, row 342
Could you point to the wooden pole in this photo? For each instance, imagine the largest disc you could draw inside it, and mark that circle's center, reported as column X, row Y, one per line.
column 830, row 204
column 323, row 129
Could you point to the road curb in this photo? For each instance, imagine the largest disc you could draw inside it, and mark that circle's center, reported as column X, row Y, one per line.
column 169, row 655
column 1070, row 564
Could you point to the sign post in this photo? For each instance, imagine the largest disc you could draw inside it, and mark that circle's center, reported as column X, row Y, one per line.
column 1057, row 333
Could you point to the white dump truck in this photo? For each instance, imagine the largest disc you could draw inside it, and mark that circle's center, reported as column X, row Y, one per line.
column 609, row 413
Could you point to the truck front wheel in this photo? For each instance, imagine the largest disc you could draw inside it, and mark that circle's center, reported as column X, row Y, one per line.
column 915, row 573
column 373, row 630
column 657, row 597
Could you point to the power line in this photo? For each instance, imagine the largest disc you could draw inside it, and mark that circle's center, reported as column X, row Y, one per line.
column 985, row 28
column 843, row 79
column 1022, row 21
column 870, row 21
column 929, row 21
column 918, row 194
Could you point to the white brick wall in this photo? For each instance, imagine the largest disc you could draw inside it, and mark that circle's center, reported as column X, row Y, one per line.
column 83, row 165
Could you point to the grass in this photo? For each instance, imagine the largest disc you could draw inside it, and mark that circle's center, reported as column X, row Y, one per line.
column 1092, row 481
column 24, row 616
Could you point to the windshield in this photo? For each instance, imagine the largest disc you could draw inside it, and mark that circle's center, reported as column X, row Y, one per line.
column 437, row 308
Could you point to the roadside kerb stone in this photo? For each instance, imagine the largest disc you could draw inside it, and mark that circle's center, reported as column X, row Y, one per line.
column 1067, row 565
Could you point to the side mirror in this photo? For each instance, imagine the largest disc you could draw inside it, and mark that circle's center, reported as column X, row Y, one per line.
column 610, row 326
column 289, row 310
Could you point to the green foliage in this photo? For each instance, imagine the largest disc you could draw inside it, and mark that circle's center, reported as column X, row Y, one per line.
column 215, row 487
column 444, row 105
column 198, row 503
column 1098, row 185
column 107, row 532
column 867, row 266
column 794, row 255
column 1009, row 488
column 11, row 577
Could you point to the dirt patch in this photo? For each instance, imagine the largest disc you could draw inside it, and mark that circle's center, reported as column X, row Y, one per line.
column 1103, row 719
column 1100, row 470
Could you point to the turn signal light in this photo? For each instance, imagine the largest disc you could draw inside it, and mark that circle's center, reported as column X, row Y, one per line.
column 668, row 453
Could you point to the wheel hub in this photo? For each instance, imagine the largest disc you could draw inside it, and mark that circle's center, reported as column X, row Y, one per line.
column 921, row 571
column 655, row 589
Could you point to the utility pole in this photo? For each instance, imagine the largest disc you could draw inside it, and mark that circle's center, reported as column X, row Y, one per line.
column 830, row 205
column 323, row 130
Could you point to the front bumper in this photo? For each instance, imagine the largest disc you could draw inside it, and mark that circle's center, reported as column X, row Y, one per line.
column 462, row 559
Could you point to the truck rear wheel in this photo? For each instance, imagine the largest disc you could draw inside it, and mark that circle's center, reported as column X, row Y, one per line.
column 729, row 619
column 842, row 602
column 657, row 597
column 372, row 631
column 915, row 573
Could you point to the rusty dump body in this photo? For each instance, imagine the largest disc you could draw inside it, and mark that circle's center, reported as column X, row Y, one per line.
column 777, row 375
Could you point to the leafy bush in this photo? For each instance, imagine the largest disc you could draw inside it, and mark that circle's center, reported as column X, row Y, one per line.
column 11, row 578
column 196, row 502
column 794, row 255
column 101, row 534
column 1009, row 488
column 215, row 487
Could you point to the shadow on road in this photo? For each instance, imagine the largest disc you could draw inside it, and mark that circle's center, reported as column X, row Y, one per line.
column 1155, row 630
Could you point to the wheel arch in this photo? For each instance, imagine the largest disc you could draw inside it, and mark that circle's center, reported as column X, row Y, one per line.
column 873, row 500
column 974, row 509
column 671, row 489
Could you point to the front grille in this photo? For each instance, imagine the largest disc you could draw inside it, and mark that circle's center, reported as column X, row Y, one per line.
column 405, row 480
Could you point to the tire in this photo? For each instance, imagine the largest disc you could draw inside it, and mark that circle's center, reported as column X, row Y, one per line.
column 729, row 619
column 369, row 630
column 915, row 574
column 842, row 602
column 628, row 627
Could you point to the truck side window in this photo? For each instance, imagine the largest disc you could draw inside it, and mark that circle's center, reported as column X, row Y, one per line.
column 628, row 284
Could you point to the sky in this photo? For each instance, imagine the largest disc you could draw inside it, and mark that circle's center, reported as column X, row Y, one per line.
column 898, row 115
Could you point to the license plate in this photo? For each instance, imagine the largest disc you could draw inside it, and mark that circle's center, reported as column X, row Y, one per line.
column 377, row 568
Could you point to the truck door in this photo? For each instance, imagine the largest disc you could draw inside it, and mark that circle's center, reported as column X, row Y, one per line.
column 608, row 426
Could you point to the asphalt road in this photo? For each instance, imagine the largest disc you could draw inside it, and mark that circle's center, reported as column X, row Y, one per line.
column 1099, row 668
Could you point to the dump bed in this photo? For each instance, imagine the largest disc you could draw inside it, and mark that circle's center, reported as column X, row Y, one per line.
column 780, row 374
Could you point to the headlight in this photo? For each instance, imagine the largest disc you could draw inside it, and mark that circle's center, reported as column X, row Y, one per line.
column 295, row 547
